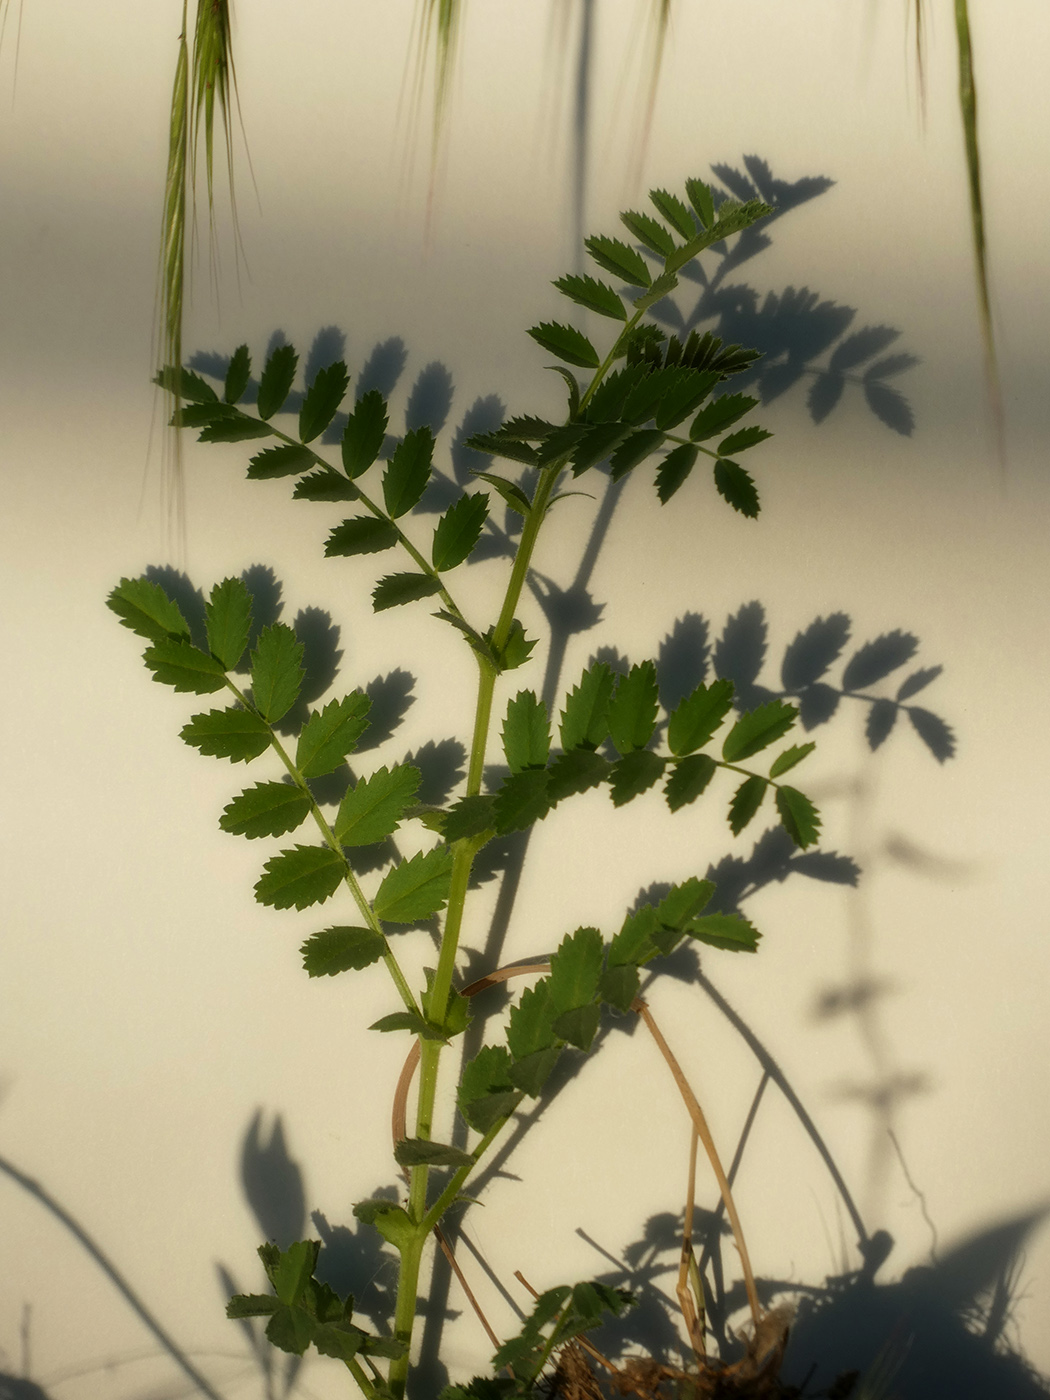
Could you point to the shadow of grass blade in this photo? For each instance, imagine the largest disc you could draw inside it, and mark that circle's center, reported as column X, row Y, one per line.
column 968, row 112
column 917, row 16
column 4, row 10
column 659, row 21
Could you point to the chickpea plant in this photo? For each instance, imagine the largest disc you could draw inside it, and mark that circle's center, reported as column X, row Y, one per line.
column 646, row 394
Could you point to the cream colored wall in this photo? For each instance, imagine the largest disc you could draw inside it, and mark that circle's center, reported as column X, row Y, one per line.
column 149, row 1006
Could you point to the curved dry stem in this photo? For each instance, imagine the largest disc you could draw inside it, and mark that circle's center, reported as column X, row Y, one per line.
column 704, row 1134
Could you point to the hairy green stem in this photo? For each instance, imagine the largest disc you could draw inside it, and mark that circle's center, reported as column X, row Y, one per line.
column 405, row 1311
column 458, row 1178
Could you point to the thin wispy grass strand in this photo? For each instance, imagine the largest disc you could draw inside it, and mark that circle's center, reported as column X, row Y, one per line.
column 968, row 113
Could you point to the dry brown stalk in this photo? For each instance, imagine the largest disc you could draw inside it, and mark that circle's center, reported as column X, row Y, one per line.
column 704, row 1134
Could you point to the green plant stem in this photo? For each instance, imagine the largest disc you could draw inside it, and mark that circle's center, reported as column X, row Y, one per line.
column 357, row 1371
column 405, row 1310
column 456, row 1182
column 462, row 861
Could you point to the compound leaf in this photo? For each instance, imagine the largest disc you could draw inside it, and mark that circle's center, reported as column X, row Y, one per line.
column 633, row 450
column 418, row 1152
column 514, row 496
column 585, row 718
column 742, row 439
column 286, row 459
column 184, row 667
column 276, row 382
column 729, row 931
column 415, row 888
column 674, row 469
column 746, row 801
column 575, row 771
column 686, row 392
column 695, row 719
column 184, row 384
column 798, row 816
column 634, row 945
column 719, row 414
column 594, row 295
column 238, row 374
column 300, row 877
column 618, row 986
column 757, row 729
column 674, row 211
column 277, row 671
column 322, row 400
column 341, row 949
column 395, row 590
column 408, row 471
column 702, row 200
column 361, row 534
column 146, row 609
column 459, row 530
column 372, row 809
column 499, row 444
column 526, row 732
column 324, row 484
column 612, row 393
column 789, row 758
column 663, row 285
column 486, row 1090
column 619, row 259
column 234, row 427
column 635, row 773
column 236, row 734
column 567, row 343
column 649, row 233
column 364, row 434
column 531, row 1021
column 736, row 486
column 522, row 800
column 517, row 650
column 688, row 780
column 330, row 734
column 228, row 614
column 531, row 1072
column 575, row 970
column 580, row 1025
column 595, row 445
column 267, row 809
column 632, row 710
column 683, row 902
column 470, row 816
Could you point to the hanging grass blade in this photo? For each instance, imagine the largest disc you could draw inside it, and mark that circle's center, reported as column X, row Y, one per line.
column 172, row 266
column 204, row 79
column 968, row 112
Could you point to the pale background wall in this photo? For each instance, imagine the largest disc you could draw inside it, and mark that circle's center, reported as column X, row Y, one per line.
column 149, row 1006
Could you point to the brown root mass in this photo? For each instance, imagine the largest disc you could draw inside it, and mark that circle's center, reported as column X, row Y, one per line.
column 755, row 1376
